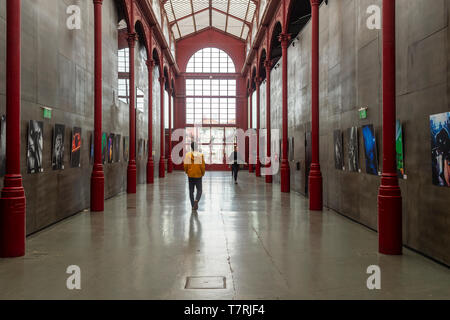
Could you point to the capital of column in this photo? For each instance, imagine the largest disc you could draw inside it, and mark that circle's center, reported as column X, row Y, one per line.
column 284, row 39
column 100, row 2
column 150, row 64
column 315, row 2
column 132, row 38
column 258, row 81
column 162, row 79
column 268, row 64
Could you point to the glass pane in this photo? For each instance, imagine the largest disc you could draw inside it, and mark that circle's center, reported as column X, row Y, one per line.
column 217, row 135
column 217, row 153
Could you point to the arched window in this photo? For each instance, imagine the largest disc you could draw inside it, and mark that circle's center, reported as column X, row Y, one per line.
column 210, row 60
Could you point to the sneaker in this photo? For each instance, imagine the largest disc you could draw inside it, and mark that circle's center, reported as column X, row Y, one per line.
column 195, row 205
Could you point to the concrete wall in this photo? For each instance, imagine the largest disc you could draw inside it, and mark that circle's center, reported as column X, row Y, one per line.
column 57, row 72
column 350, row 78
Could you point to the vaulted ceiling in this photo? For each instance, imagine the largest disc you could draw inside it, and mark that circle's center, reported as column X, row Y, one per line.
column 191, row 16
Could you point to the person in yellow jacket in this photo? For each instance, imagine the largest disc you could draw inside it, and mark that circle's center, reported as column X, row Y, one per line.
column 194, row 166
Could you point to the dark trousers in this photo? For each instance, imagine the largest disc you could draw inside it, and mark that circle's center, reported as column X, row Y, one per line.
column 234, row 171
column 195, row 183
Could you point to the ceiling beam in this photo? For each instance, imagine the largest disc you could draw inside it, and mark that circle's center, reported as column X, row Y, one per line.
column 193, row 17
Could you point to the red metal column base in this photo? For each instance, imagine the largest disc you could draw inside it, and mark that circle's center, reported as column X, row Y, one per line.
column 285, row 176
column 268, row 179
column 315, row 188
column 258, row 168
column 169, row 165
column 97, row 189
column 131, row 177
column 162, row 168
column 150, row 171
column 12, row 218
column 390, row 216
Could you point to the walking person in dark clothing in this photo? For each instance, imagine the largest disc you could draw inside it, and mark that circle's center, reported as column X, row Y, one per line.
column 235, row 160
column 194, row 166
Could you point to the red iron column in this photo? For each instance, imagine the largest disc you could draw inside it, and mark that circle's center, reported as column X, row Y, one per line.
column 150, row 164
column 131, row 174
column 169, row 160
column 268, row 66
column 250, row 150
column 389, row 197
column 12, row 201
column 162, row 169
column 258, row 110
column 98, row 177
column 315, row 175
column 285, row 170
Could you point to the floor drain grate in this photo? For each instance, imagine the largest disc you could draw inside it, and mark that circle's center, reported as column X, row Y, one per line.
column 206, row 283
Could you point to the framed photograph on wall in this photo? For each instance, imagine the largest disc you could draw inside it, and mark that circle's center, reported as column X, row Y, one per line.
column 110, row 148
column 58, row 147
column 338, row 150
column 353, row 149
column 75, row 158
column 399, row 150
column 370, row 148
column 440, row 149
column 35, row 146
column 104, row 147
column 117, row 140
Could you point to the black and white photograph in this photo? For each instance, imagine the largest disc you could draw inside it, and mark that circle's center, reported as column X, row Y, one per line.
column 58, row 146
column 353, row 149
column 35, row 146
column 338, row 150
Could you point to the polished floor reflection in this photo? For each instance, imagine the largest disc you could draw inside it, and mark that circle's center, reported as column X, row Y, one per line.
column 266, row 245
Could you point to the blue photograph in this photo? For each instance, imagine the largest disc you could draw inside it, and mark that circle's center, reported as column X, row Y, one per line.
column 440, row 149
column 370, row 146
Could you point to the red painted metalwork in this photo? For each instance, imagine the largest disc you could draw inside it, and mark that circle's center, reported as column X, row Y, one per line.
column 98, row 177
column 285, row 170
column 268, row 66
column 315, row 175
column 162, row 166
column 12, row 202
column 389, row 197
column 131, row 173
column 150, row 163
column 169, row 159
column 258, row 115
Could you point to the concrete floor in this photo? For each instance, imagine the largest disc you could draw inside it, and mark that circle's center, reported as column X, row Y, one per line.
column 267, row 245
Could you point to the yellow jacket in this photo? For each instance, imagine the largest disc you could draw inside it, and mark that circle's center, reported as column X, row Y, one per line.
column 194, row 165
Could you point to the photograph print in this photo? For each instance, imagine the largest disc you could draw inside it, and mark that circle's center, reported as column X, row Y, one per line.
column 58, row 147
column 110, row 148
column 370, row 148
column 2, row 146
column 91, row 149
column 338, row 150
column 104, row 147
column 126, row 148
column 353, row 149
column 117, row 140
column 75, row 158
column 440, row 149
column 35, row 146
column 399, row 150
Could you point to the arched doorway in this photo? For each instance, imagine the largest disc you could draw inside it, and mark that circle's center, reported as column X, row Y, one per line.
column 211, row 98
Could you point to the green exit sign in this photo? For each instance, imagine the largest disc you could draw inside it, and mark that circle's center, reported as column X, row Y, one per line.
column 47, row 113
column 363, row 113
